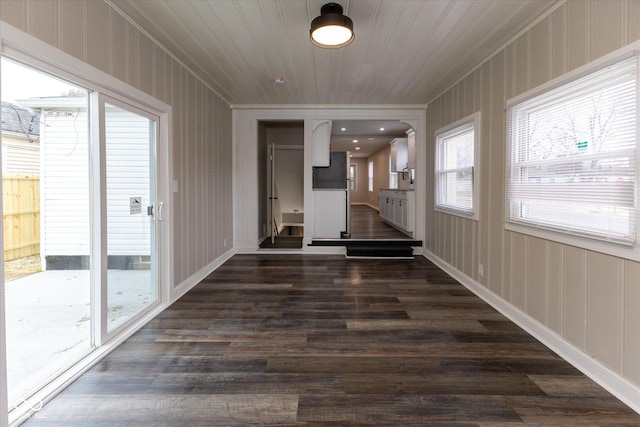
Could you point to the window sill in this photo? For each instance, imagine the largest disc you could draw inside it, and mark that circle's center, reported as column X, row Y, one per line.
column 450, row 211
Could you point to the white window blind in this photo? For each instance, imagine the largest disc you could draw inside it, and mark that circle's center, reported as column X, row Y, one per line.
column 455, row 161
column 571, row 157
column 370, row 176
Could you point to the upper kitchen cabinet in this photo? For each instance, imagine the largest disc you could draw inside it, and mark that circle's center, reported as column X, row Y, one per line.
column 399, row 154
column 411, row 149
column 321, row 142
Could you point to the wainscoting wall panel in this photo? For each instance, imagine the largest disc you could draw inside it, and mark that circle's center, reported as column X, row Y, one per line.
column 589, row 299
column 99, row 35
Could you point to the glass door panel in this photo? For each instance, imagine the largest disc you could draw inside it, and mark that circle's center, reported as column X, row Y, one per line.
column 47, row 227
column 129, row 155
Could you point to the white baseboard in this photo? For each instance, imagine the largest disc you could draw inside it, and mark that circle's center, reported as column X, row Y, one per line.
column 617, row 385
column 200, row 275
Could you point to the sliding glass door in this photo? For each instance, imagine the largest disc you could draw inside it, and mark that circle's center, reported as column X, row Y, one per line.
column 46, row 200
column 129, row 147
column 80, row 223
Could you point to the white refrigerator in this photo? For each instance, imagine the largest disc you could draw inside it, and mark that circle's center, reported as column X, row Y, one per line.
column 331, row 205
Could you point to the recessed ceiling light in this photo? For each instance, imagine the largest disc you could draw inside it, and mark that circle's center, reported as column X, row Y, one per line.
column 370, row 139
column 355, row 140
column 357, row 148
column 381, row 129
column 343, row 129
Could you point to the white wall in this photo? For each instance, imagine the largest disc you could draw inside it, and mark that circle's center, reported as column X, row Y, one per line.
column 380, row 161
column 289, row 180
column 245, row 161
column 289, row 172
column 359, row 196
column 589, row 300
column 201, row 122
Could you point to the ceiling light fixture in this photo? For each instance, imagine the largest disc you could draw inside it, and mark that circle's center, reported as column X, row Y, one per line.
column 355, row 141
column 331, row 29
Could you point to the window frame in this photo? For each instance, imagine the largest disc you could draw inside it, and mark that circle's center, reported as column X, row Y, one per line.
column 472, row 121
column 370, row 169
column 601, row 245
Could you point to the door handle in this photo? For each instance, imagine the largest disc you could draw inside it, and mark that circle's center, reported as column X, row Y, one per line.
column 160, row 206
column 158, row 215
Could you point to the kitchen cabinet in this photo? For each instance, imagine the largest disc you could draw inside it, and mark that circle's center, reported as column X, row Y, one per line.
column 383, row 206
column 397, row 208
column 411, row 149
column 399, row 154
column 321, row 138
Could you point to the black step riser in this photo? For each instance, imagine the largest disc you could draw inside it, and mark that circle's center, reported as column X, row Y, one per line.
column 379, row 252
column 351, row 243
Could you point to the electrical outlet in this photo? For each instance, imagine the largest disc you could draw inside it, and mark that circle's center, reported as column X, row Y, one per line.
column 480, row 270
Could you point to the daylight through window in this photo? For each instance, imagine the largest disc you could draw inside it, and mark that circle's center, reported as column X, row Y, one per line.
column 456, row 147
column 571, row 157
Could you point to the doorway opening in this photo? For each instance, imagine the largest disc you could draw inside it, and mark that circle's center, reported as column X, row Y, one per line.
column 281, row 148
column 381, row 177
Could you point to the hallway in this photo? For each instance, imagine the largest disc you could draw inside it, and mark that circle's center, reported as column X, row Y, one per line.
column 367, row 224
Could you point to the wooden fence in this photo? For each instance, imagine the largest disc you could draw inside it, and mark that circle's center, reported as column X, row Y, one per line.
column 21, row 217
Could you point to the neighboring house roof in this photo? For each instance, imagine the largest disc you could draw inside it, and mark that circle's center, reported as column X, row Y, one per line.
column 20, row 120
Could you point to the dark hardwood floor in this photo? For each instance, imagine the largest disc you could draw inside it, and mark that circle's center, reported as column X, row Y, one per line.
column 321, row 340
column 367, row 224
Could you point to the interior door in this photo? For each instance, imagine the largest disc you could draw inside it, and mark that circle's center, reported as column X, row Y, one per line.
column 130, row 213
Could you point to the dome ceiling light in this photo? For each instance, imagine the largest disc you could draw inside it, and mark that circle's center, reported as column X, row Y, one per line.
column 331, row 29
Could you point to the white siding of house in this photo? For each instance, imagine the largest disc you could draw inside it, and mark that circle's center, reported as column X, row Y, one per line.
column 20, row 156
column 64, row 184
column 127, row 176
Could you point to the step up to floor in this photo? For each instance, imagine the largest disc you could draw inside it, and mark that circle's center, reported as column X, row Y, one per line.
column 404, row 252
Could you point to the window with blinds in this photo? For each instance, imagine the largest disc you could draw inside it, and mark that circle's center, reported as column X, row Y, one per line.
column 571, row 157
column 456, row 170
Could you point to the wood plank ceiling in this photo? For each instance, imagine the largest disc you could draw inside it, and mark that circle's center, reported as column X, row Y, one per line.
column 404, row 52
